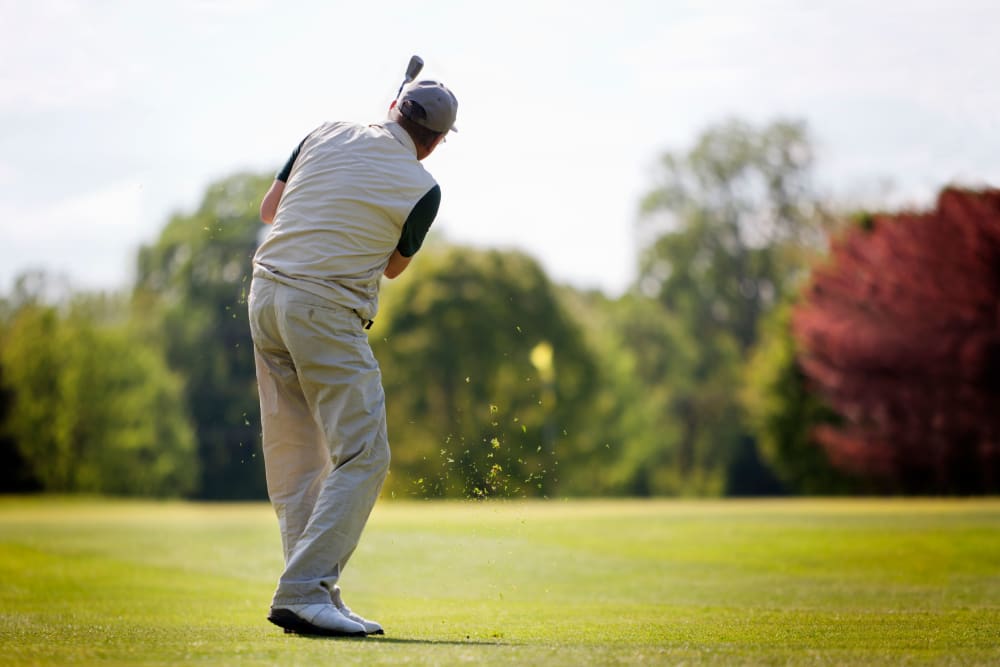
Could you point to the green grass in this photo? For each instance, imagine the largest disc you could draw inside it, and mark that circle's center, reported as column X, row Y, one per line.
column 830, row 582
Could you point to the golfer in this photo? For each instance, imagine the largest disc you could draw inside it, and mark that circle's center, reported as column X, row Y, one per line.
column 352, row 204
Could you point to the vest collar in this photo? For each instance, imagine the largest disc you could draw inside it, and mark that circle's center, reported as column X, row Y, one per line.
column 401, row 135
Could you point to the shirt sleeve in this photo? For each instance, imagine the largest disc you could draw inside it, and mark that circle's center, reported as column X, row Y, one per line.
column 418, row 222
column 287, row 169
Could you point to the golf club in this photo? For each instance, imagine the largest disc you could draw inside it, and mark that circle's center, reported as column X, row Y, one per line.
column 412, row 70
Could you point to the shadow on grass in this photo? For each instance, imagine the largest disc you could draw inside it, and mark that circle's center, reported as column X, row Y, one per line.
column 440, row 642
column 399, row 640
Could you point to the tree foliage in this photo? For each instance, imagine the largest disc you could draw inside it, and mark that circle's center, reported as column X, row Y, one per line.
column 726, row 223
column 725, row 227
column 190, row 294
column 485, row 376
column 15, row 471
column 899, row 334
column 783, row 413
column 93, row 408
column 645, row 361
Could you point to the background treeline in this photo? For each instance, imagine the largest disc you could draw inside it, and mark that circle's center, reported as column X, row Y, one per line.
column 750, row 357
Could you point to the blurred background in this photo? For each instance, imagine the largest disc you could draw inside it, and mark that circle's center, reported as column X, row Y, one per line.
column 684, row 249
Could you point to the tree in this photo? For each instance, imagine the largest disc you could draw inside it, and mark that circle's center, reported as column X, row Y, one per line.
column 725, row 228
column 644, row 360
column 485, row 376
column 726, row 224
column 15, row 473
column 190, row 295
column 93, row 407
column 29, row 356
column 783, row 413
column 898, row 333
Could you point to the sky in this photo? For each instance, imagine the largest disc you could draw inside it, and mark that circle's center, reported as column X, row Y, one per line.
column 115, row 115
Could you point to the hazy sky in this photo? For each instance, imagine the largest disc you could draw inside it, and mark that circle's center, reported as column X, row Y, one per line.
column 116, row 114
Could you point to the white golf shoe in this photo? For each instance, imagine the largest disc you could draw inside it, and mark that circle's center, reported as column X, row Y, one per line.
column 316, row 619
column 371, row 627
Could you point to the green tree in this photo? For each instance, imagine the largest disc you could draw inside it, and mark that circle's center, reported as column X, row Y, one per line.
column 15, row 474
column 725, row 225
column 485, row 375
column 94, row 408
column 645, row 362
column 190, row 295
column 783, row 413
column 32, row 361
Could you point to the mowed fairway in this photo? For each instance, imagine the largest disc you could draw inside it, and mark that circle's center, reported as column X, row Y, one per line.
column 527, row 583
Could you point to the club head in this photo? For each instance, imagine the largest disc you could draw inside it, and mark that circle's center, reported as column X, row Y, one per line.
column 413, row 69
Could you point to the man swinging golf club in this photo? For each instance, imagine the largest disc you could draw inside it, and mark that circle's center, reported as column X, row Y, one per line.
column 353, row 203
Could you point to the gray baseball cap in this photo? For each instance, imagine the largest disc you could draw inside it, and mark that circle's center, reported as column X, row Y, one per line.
column 431, row 104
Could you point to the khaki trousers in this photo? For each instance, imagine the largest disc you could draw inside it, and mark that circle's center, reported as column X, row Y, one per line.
column 326, row 453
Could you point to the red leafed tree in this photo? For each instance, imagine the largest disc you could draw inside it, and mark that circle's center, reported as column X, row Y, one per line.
column 900, row 333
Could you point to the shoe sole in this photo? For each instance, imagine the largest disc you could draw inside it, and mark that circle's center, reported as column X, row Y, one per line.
column 377, row 632
column 292, row 623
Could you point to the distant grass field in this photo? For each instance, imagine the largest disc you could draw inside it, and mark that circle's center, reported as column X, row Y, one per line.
column 824, row 582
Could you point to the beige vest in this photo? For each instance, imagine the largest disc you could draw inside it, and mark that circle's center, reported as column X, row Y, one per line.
column 342, row 212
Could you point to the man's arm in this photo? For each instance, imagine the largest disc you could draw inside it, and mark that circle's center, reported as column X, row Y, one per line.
column 397, row 264
column 414, row 230
column 269, row 205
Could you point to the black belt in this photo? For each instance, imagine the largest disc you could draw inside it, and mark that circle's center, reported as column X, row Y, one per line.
column 367, row 323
